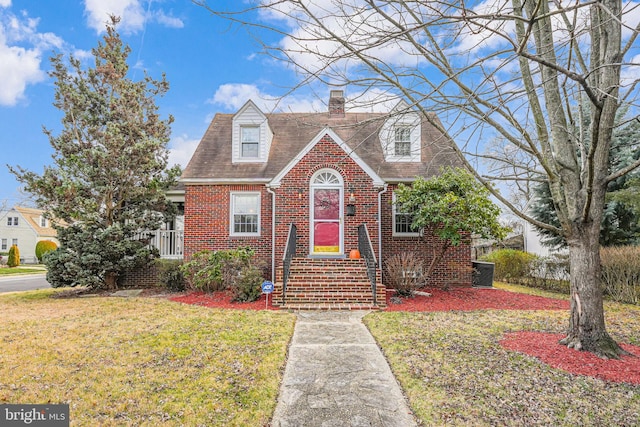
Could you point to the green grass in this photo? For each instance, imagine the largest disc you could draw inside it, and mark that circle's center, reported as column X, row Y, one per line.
column 142, row 361
column 15, row 271
column 454, row 371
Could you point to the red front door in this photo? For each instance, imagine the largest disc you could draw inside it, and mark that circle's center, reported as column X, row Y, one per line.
column 326, row 223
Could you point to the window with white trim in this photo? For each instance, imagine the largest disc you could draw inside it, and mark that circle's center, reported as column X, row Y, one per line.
column 3, row 245
column 14, row 242
column 12, row 221
column 250, row 142
column 43, row 221
column 402, row 139
column 245, row 214
column 402, row 221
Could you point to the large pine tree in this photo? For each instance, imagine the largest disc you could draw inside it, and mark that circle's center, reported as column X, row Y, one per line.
column 109, row 174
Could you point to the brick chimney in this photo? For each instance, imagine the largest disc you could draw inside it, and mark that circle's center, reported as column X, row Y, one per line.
column 336, row 103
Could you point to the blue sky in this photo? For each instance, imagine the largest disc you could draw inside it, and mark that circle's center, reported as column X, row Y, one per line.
column 210, row 67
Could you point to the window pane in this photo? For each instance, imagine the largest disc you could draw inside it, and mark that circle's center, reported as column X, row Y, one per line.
column 4, row 245
column 403, row 141
column 246, row 209
column 250, row 134
column 249, row 149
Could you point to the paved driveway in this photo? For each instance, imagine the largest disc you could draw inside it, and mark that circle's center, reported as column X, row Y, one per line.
column 26, row 282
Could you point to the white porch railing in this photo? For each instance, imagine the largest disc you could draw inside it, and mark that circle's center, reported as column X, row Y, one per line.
column 170, row 243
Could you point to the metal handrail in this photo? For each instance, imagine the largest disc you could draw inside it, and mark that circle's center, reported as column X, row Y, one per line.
column 366, row 252
column 289, row 253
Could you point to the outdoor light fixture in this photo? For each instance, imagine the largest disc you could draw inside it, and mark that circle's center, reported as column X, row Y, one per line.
column 351, row 207
column 300, row 193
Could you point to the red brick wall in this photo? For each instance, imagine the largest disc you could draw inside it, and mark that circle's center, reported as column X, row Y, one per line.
column 206, row 220
column 453, row 270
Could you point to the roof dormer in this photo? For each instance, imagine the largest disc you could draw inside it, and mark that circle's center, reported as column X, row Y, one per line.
column 400, row 135
column 251, row 135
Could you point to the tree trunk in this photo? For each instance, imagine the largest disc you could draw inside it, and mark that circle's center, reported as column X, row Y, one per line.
column 587, row 330
column 111, row 281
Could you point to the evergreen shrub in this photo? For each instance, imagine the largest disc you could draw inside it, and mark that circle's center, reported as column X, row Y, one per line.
column 209, row 271
column 14, row 256
column 170, row 274
column 44, row 246
column 510, row 264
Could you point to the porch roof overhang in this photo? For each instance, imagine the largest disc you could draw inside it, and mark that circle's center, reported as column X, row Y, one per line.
column 377, row 181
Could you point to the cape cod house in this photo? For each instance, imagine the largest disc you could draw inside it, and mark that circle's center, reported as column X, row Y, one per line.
column 304, row 190
column 25, row 227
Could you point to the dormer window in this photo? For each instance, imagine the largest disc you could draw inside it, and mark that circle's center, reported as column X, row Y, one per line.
column 402, row 141
column 250, row 138
column 401, row 134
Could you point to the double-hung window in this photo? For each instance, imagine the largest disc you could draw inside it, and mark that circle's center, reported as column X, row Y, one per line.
column 12, row 221
column 402, row 221
column 402, row 138
column 249, row 142
column 245, row 214
column 3, row 245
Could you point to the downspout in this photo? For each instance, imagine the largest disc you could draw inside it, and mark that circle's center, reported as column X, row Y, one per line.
column 380, row 193
column 273, row 233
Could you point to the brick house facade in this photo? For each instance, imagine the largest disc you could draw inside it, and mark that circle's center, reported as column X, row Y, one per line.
column 255, row 174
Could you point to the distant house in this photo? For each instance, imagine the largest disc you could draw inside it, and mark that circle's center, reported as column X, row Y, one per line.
column 305, row 190
column 25, row 227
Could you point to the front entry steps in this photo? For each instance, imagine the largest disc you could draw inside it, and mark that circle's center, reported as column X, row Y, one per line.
column 329, row 284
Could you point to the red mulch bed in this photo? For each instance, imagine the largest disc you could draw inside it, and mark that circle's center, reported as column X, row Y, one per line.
column 468, row 299
column 223, row 300
column 545, row 347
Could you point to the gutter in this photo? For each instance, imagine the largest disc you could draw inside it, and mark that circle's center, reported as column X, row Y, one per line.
column 273, row 233
column 380, row 193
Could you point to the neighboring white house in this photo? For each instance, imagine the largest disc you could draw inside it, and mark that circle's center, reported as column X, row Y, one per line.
column 25, row 227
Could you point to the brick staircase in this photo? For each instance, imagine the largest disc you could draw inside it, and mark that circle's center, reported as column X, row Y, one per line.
column 329, row 284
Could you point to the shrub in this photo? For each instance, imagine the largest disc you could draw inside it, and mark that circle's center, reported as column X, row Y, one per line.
column 44, row 246
column 404, row 273
column 14, row 256
column 620, row 276
column 550, row 273
column 510, row 264
column 246, row 285
column 170, row 274
column 206, row 270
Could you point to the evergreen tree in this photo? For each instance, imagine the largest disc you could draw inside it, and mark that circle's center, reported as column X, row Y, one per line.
column 621, row 218
column 110, row 172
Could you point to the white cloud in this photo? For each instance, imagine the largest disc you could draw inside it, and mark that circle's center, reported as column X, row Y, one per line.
column 5, row 3
column 132, row 13
column 168, row 21
column 18, row 68
column 181, row 149
column 21, row 50
column 233, row 96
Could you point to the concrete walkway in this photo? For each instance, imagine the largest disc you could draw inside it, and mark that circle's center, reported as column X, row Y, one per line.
column 337, row 376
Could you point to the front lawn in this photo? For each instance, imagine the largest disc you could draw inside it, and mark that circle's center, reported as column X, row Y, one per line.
column 455, row 372
column 142, row 361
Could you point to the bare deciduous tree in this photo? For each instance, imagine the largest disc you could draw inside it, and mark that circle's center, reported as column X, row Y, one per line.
column 519, row 71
